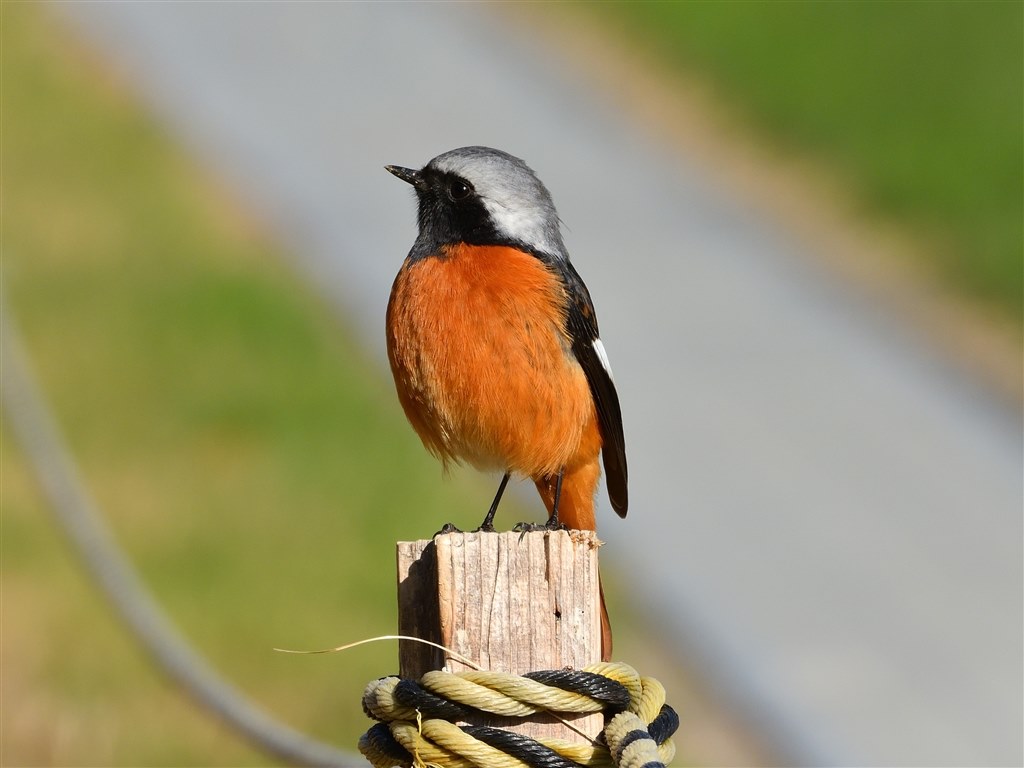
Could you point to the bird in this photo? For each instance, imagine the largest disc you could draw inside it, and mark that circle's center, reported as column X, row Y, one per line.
column 493, row 342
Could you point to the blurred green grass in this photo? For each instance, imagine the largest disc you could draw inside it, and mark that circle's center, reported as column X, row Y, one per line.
column 250, row 457
column 918, row 106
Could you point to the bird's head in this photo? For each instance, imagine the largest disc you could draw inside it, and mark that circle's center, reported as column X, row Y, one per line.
column 483, row 196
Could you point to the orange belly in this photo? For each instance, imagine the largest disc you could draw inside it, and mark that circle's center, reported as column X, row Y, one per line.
column 485, row 373
column 483, row 364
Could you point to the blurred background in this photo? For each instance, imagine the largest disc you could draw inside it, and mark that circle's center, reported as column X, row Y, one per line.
column 801, row 225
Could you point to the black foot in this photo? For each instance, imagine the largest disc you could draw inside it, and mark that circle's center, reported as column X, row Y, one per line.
column 527, row 527
column 485, row 528
column 551, row 525
column 554, row 524
column 446, row 529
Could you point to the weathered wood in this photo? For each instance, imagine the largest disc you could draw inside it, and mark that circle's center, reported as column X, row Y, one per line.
column 510, row 602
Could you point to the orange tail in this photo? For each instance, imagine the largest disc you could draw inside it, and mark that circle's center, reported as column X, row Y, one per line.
column 576, row 510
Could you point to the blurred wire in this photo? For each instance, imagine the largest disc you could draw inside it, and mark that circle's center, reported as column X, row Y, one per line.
column 82, row 523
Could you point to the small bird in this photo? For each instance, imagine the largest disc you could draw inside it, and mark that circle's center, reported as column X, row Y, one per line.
column 493, row 340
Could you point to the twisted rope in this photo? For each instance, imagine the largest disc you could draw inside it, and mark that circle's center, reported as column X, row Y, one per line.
column 417, row 720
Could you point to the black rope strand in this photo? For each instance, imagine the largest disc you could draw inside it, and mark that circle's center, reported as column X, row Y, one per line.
column 664, row 725
column 598, row 687
column 413, row 695
column 379, row 741
column 530, row 751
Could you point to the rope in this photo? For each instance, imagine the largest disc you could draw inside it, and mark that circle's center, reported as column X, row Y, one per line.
column 82, row 523
column 417, row 720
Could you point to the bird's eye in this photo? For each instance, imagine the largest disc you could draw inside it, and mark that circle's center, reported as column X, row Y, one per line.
column 459, row 190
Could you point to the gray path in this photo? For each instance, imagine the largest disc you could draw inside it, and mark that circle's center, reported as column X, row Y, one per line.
column 832, row 517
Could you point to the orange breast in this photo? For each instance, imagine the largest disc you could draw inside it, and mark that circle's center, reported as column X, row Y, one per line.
column 483, row 364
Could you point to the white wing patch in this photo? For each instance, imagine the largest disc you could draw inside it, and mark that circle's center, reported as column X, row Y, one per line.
column 603, row 357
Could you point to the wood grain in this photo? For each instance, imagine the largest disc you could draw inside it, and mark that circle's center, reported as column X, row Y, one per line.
column 509, row 602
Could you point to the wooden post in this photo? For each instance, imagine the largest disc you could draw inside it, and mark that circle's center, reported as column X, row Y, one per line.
column 510, row 602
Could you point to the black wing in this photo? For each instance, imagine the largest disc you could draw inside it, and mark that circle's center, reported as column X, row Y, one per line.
column 582, row 326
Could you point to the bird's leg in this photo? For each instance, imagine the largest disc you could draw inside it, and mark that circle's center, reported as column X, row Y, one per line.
column 488, row 524
column 553, row 524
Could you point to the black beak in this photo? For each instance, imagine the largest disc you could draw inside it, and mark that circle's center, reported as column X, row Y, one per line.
column 408, row 175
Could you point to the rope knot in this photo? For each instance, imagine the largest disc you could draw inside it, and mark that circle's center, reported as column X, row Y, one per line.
column 418, row 721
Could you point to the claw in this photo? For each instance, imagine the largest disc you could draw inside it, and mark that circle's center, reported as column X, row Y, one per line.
column 524, row 528
column 554, row 524
column 446, row 529
column 528, row 527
